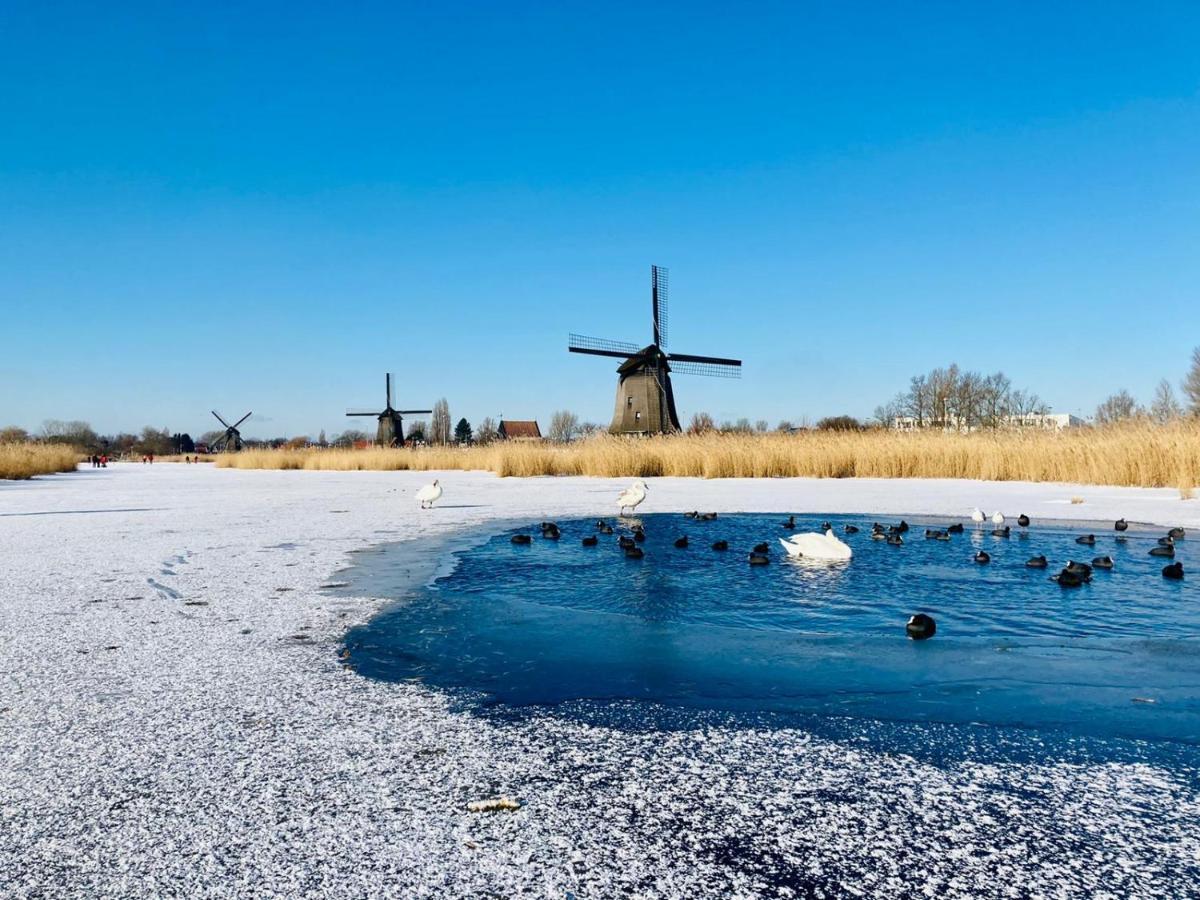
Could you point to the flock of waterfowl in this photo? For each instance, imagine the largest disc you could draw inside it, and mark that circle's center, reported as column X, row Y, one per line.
column 825, row 545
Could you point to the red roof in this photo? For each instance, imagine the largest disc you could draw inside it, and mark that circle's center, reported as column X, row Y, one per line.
column 510, row 429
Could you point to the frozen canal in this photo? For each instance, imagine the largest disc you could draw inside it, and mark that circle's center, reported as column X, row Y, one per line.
column 175, row 719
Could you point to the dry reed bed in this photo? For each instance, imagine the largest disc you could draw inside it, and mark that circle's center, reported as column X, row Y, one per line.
column 19, row 461
column 1139, row 455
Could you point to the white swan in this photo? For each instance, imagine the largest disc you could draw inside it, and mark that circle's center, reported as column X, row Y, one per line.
column 814, row 545
column 977, row 516
column 429, row 494
column 632, row 496
column 998, row 518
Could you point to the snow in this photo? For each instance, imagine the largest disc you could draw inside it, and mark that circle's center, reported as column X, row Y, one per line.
column 174, row 720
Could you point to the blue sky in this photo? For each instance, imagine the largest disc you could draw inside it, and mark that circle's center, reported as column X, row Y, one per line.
column 267, row 206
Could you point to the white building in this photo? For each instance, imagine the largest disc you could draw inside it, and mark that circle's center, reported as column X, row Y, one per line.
column 1048, row 421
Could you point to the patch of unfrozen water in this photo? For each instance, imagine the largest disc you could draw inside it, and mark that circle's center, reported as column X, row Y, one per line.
column 556, row 624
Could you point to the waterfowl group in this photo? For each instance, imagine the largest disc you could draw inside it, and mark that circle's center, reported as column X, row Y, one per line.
column 825, row 545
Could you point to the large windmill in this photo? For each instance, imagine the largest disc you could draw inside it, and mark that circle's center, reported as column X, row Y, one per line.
column 645, row 401
column 231, row 440
column 391, row 421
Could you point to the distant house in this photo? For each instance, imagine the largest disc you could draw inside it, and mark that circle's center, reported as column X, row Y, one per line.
column 512, row 430
column 1046, row 421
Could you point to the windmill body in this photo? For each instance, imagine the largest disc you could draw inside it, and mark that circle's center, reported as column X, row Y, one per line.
column 645, row 402
column 390, row 432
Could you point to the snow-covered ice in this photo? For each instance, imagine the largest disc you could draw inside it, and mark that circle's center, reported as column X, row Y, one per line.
column 174, row 720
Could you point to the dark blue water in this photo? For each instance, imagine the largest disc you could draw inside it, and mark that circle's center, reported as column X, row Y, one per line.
column 556, row 621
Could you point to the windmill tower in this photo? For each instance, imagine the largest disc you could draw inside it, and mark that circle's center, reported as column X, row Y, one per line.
column 645, row 400
column 391, row 421
column 231, row 440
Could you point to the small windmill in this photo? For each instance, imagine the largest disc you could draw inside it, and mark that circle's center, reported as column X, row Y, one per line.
column 231, row 440
column 645, row 400
column 391, row 421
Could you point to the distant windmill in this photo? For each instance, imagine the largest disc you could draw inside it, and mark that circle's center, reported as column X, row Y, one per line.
column 645, row 400
column 231, row 440
column 391, row 421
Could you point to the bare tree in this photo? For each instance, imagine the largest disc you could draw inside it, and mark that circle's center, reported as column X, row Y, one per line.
column 564, row 426
column 886, row 414
column 994, row 395
column 13, row 434
column 762, row 426
column 957, row 399
column 1027, row 403
column 701, row 423
column 918, row 404
column 439, row 423
column 1165, row 407
column 76, row 433
column 486, row 432
column 1117, row 408
column 1191, row 384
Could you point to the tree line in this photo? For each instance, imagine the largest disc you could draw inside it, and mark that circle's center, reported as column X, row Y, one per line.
column 1164, row 407
column 951, row 397
column 947, row 397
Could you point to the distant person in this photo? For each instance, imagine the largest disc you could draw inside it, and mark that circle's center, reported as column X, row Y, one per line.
column 104, row 461
column 95, row 461
column 151, row 456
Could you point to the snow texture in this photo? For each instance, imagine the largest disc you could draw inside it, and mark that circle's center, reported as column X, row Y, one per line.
column 175, row 721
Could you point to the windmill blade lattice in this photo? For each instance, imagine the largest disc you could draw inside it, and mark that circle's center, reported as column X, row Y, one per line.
column 712, row 370
column 658, row 295
column 581, row 343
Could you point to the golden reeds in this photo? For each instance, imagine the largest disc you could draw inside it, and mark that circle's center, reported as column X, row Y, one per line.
column 1138, row 455
column 27, row 459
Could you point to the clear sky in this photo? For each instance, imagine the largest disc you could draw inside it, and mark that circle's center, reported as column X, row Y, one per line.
column 267, row 206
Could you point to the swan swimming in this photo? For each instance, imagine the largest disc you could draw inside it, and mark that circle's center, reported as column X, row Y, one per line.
column 429, row 494
column 632, row 496
column 812, row 545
